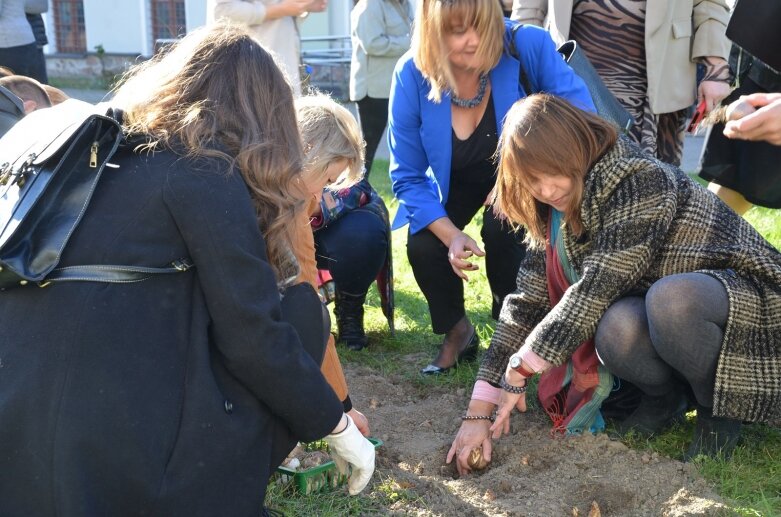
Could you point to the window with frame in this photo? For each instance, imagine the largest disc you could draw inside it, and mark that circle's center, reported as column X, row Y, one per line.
column 168, row 19
column 69, row 26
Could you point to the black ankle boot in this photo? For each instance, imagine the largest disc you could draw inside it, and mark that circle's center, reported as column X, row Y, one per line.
column 713, row 435
column 654, row 414
column 348, row 309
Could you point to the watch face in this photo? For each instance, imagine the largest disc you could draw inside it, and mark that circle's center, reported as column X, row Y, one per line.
column 515, row 361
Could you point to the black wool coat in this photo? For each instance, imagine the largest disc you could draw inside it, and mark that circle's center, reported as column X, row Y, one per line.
column 175, row 396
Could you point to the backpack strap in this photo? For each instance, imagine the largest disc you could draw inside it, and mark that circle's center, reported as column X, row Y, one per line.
column 523, row 78
column 113, row 274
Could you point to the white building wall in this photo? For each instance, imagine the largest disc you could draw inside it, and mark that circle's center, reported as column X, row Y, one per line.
column 116, row 25
column 124, row 26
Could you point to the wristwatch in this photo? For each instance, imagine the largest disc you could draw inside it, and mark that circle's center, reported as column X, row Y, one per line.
column 517, row 364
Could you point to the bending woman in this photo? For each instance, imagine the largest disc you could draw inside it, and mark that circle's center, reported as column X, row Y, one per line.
column 674, row 287
column 190, row 388
column 449, row 96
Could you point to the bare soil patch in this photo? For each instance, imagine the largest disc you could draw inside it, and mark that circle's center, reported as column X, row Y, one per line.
column 532, row 473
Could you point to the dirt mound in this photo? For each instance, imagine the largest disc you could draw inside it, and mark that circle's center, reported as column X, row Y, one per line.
column 532, row 473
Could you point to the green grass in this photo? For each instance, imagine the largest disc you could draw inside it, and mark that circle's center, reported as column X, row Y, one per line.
column 750, row 481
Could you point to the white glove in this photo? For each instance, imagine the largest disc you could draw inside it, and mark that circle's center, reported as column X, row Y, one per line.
column 350, row 449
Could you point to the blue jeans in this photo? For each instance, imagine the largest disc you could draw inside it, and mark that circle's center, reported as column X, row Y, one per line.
column 353, row 249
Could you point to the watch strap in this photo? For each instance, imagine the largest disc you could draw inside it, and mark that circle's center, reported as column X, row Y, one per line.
column 525, row 372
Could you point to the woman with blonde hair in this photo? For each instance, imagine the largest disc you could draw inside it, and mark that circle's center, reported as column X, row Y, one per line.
column 449, row 95
column 333, row 159
column 350, row 221
column 633, row 265
column 190, row 388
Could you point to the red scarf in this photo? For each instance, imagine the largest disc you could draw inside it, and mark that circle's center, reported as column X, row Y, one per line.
column 561, row 399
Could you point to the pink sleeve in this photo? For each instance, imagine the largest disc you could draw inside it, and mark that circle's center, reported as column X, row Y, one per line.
column 485, row 392
column 535, row 362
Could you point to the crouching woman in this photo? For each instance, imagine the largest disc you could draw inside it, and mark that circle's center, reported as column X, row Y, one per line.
column 674, row 288
column 178, row 395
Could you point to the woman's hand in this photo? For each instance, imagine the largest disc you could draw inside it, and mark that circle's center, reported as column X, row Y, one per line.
column 715, row 84
column 352, row 453
column 361, row 422
column 473, row 434
column 462, row 247
column 763, row 124
column 507, row 402
column 317, row 6
column 287, row 8
column 712, row 92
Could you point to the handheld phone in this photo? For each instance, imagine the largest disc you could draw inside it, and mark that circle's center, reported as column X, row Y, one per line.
column 699, row 113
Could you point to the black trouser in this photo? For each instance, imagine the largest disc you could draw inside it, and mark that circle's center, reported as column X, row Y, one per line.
column 373, row 114
column 427, row 255
column 25, row 60
column 674, row 332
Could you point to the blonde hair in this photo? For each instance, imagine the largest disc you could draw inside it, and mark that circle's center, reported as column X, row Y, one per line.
column 218, row 93
column 329, row 133
column 546, row 135
column 435, row 19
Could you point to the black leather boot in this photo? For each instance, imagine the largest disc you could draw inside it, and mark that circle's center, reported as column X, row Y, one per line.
column 713, row 435
column 348, row 309
column 654, row 414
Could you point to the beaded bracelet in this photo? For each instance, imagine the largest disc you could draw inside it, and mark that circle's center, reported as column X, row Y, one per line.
column 516, row 390
column 478, row 417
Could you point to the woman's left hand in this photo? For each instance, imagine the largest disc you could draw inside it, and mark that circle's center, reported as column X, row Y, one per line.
column 507, row 402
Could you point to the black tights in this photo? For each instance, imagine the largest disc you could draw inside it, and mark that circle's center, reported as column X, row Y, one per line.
column 674, row 332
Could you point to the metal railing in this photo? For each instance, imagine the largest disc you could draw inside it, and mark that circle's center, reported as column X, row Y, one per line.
column 327, row 60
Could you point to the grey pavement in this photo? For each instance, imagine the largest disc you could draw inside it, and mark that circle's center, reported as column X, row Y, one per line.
column 691, row 148
column 91, row 96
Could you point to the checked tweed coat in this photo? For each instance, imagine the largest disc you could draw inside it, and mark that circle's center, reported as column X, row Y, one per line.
column 645, row 220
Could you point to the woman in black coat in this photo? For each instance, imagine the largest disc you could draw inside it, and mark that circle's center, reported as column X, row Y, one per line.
column 178, row 395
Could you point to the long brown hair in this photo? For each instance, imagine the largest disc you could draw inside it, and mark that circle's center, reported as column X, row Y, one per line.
column 546, row 135
column 436, row 18
column 218, row 93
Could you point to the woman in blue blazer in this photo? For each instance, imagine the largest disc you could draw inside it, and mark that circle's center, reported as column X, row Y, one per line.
column 449, row 96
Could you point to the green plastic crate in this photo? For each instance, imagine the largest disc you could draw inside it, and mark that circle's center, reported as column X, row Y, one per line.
column 319, row 478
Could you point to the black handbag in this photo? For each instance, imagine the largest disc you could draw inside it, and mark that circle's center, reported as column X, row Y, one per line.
column 753, row 26
column 606, row 103
column 50, row 163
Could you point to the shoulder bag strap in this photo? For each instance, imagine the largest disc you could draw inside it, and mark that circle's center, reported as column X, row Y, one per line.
column 522, row 77
column 114, row 274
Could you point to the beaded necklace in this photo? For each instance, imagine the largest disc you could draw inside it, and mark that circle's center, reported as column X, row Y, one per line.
column 477, row 99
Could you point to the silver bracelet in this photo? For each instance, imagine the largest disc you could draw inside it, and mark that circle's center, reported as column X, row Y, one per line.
column 516, row 390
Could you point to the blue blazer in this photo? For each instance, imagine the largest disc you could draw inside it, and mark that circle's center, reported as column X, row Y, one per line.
column 419, row 130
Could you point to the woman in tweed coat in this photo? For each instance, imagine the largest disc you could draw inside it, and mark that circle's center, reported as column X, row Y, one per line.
column 673, row 286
